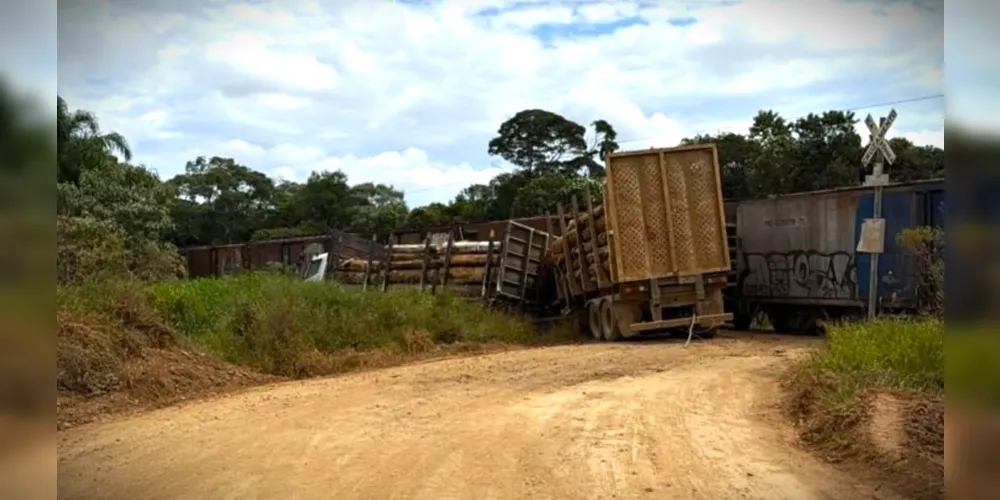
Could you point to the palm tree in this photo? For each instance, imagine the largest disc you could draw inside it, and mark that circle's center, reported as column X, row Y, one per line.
column 82, row 145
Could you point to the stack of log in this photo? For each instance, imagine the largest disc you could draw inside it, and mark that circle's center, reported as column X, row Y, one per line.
column 580, row 235
column 466, row 266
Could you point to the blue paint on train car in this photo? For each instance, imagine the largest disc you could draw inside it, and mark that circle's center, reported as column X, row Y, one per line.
column 903, row 207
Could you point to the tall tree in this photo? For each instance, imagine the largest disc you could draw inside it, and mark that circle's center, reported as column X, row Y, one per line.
column 544, row 193
column 829, row 152
column 379, row 208
column 81, row 144
column 221, row 201
column 774, row 151
column 915, row 162
column 539, row 141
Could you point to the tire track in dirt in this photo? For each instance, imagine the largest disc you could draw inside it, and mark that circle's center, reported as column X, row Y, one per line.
column 624, row 421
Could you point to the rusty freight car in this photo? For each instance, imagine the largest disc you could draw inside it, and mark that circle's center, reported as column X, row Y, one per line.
column 221, row 260
column 797, row 261
column 655, row 254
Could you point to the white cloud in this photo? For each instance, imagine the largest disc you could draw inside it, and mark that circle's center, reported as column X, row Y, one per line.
column 409, row 94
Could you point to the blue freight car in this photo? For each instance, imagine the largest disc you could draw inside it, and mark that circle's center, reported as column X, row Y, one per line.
column 795, row 257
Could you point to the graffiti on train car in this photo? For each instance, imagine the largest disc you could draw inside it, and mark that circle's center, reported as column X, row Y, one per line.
column 805, row 274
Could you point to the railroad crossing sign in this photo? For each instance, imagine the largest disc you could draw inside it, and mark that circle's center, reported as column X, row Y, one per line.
column 878, row 143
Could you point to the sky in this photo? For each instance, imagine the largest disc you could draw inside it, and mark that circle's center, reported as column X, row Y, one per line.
column 409, row 92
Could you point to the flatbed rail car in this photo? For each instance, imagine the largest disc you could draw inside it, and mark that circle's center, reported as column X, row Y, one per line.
column 654, row 255
column 797, row 261
column 503, row 270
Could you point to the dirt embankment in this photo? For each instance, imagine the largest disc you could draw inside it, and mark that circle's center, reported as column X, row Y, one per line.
column 631, row 420
column 139, row 364
column 895, row 435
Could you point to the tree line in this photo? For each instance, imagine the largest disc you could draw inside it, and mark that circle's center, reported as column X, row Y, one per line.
column 113, row 212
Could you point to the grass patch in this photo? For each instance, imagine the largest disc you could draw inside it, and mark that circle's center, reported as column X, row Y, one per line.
column 283, row 326
column 163, row 342
column 836, row 396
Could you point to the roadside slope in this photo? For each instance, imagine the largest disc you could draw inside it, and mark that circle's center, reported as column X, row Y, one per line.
column 649, row 420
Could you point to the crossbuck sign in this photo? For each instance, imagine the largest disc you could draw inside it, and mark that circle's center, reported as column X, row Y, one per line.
column 878, row 143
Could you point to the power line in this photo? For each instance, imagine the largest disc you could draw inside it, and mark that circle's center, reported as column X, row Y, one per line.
column 719, row 129
column 858, row 108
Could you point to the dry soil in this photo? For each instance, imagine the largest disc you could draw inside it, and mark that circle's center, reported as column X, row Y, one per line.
column 649, row 420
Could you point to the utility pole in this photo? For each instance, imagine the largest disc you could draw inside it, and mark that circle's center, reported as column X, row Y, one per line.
column 873, row 230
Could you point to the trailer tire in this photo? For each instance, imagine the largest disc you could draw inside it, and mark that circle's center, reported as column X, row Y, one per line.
column 609, row 323
column 708, row 333
column 742, row 321
column 594, row 319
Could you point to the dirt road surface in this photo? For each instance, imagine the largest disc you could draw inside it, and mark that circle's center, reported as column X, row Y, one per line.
column 603, row 421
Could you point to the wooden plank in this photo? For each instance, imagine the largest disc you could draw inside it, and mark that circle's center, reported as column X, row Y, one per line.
column 722, row 203
column 578, row 252
column 541, row 259
column 611, row 214
column 524, row 268
column 447, row 261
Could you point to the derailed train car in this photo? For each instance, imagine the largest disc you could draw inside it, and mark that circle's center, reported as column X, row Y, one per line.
column 796, row 258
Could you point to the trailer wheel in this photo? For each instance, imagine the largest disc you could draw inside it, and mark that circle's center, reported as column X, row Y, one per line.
column 708, row 333
column 742, row 321
column 609, row 323
column 594, row 319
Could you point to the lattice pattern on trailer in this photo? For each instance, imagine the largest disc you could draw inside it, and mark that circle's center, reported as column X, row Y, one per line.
column 705, row 214
column 630, row 233
column 684, row 249
column 655, row 213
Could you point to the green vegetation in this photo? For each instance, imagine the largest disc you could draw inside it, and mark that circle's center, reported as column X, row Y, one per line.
column 246, row 318
column 890, row 354
column 283, row 326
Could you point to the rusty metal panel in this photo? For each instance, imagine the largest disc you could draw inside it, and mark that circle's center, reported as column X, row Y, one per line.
column 798, row 247
column 199, row 262
column 667, row 214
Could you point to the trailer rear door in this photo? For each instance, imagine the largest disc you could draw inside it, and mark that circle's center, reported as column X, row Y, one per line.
column 666, row 213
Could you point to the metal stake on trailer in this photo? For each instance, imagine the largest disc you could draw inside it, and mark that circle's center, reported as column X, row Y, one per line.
column 880, row 151
column 387, row 263
column 426, row 261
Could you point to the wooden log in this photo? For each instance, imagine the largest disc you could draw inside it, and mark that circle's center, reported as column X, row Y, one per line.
column 602, row 254
column 459, row 247
column 456, row 275
column 573, row 235
column 467, row 260
column 596, row 213
column 558, row 246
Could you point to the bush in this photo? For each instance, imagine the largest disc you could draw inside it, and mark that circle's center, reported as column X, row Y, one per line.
column 925, row 247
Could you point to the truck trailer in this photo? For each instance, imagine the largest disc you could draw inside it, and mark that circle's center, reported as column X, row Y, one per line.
column 653, row 255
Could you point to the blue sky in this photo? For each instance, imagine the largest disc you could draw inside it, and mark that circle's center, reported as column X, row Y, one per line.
column 409, row 93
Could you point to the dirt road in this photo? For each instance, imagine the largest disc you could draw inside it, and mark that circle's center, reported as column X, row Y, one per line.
column 603, row 421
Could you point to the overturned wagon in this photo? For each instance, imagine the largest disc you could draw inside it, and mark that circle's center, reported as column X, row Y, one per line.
column 654, row 254
column 504, row 268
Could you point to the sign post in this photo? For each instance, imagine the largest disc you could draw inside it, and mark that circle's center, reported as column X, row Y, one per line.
column 878, row 150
